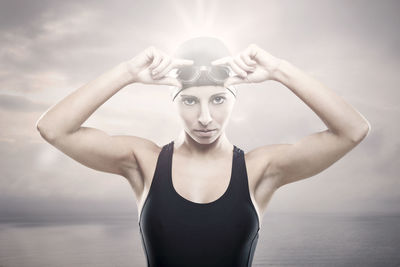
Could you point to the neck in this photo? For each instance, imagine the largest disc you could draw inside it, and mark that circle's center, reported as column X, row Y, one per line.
column 187, row 145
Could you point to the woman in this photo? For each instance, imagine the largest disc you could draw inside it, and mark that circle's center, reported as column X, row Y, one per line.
column 200, row 198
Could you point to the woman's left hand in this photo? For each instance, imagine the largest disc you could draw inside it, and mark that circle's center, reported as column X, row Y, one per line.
column 253, row 65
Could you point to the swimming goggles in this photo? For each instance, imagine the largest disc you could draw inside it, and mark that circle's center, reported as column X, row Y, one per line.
column 202, row 75
column 190, row 74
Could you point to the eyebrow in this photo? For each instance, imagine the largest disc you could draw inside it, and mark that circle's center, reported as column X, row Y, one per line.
column 212, row 95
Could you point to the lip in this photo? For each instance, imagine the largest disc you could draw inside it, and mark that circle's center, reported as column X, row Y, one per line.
column 205, row 133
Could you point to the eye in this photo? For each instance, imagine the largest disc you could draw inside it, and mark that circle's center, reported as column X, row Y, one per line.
column 220, row 99
column 189, row 101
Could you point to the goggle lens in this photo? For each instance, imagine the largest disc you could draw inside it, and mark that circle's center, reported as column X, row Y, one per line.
column 190, row 74
column 219, row 74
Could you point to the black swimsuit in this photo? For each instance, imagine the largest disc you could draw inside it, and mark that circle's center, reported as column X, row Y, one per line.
column 178, row 232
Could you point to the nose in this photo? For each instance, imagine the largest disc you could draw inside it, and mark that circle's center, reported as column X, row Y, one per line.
column 205, row 116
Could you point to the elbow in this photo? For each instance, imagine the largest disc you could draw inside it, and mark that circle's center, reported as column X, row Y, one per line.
column 39, row 126
column 363, row 132
column 45, row 133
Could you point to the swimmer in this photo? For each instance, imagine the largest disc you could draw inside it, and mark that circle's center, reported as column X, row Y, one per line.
column 200, row 198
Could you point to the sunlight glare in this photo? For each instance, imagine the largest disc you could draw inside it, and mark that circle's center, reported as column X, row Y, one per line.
column 202, row 23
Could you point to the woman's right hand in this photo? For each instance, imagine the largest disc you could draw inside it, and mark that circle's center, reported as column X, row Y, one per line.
column 153, row 60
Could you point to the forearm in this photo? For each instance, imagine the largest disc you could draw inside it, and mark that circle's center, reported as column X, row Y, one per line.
column 71, row 112
column 339, row 116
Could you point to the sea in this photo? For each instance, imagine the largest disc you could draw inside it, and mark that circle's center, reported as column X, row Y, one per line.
column 286, row 239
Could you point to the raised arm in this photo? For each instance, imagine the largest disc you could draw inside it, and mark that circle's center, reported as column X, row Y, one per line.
column 346, row 127
column 61, row 124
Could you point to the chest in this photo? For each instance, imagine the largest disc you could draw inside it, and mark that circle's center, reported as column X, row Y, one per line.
column 196, row 194
column 201, row 182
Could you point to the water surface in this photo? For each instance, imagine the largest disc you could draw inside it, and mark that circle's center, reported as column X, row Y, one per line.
column 285, row 240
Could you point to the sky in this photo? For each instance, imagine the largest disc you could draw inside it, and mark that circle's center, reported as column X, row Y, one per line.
column 48, row 49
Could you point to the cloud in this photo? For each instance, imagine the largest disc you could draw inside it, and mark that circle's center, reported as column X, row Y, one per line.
column 19, row 103
column 50, row 48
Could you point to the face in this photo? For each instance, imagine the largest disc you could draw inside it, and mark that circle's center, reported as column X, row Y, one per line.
column 204, row 108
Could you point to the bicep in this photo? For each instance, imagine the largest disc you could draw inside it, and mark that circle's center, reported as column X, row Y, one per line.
column 308, row 157
column 98, row 150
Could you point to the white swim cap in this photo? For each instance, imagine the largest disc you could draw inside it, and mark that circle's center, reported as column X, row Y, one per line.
column 202, row 50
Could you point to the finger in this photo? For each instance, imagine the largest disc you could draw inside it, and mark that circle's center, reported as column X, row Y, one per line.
column 252, row 50
column 237, row 69
column 250, row 53
column 156, row 59
column 221, row 61
column 150, row 53
column 164, row 63
column 246, row 58
column 235, row 80
column 243, row 65
column 164, row 72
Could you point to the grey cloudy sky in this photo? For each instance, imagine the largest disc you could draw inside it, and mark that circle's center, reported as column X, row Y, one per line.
column 50, row 48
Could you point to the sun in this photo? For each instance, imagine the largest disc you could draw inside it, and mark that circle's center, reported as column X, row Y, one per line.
column 199, row 18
